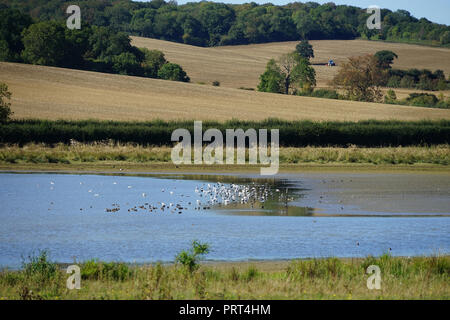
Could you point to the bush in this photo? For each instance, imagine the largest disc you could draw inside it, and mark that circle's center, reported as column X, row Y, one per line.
column 390, row 97
column 394, row 82
column 95, row 270
column 422, row 99
column 189, row 259
column 325, row 93
column 5, row 107
column 174, row 72
column 39, row 268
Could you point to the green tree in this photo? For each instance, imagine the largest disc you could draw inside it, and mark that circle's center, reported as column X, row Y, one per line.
column 385, row 58
column 271, row 80
column 305, row 75
column 287, row 74
column 126, row 63
column 153, row 61
column 174, row 72
column 305, row 50
column 12, row 23
column 5, row 107
column 45, row 44
column 296, row 71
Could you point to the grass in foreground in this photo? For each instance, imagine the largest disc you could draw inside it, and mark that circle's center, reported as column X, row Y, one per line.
column 96, row 153
column 331, row 278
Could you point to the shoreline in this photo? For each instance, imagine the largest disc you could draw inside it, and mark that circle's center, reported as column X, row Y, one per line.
column 170, row 168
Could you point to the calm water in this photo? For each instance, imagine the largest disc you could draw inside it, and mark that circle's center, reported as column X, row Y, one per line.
column 68, row 215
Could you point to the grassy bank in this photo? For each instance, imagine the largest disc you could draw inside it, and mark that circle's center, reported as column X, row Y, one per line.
column 331, row 278
column 292, row 133
column 121, row 154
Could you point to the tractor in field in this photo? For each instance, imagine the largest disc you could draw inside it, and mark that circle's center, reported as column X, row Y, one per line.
column 331, row 63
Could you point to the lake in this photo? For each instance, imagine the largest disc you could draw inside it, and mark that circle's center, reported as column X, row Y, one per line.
column 149, row 218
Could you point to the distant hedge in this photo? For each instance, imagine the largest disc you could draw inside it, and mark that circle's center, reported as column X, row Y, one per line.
column 292, row 133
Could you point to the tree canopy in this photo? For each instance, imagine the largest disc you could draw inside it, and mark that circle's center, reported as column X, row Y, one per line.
column 360, row 77
column 305, row 50
column 208, row 23
column 287, row 75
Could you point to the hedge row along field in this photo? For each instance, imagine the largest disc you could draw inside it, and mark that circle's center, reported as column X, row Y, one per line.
column 292, row 133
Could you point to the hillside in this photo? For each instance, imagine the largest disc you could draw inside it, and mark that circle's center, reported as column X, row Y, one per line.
column 57, row 93
column 240, row 66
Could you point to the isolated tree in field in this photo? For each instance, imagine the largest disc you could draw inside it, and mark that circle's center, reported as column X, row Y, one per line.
column 360, row 77
column 174, row 72
column 385, row 58
column 5, row 107
column 287, row 74
column 305, row 50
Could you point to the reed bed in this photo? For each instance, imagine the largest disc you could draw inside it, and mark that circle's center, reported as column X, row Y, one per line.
column 131, row 153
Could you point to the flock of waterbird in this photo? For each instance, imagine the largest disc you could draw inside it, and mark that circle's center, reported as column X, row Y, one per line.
column 204, row 197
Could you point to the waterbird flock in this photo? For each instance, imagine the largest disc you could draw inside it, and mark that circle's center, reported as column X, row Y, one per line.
column 204, row 197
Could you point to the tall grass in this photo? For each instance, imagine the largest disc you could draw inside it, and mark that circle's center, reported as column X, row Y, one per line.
column 330, row 278
column 130, row 153
column 370, row 133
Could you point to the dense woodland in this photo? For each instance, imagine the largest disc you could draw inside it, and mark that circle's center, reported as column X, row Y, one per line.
column 210, row 24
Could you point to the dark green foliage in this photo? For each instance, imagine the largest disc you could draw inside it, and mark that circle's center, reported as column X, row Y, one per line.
column 305, row 50
column 5, row 106
column 322, row 93
column 96, row 48
column 422, row 99
column 173, row 71
column 292, row 133
column 271, row 80
column 209, row 24
column 153, row 61
column 385, row 58
column 45, row 44
column 417, row 79
column 12, row 23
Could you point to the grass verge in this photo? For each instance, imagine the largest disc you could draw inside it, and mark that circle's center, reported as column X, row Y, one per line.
column 330, row 278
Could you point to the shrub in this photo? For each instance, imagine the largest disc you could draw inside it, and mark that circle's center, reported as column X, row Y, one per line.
column 325, row 93
column 189, row 259
column 422, row 99
column 40, row 268
column 5, row 107
column 95, row 270
column 174, row 72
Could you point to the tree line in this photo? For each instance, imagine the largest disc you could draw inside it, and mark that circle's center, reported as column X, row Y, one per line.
column 96, row 48
column 210, row 24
